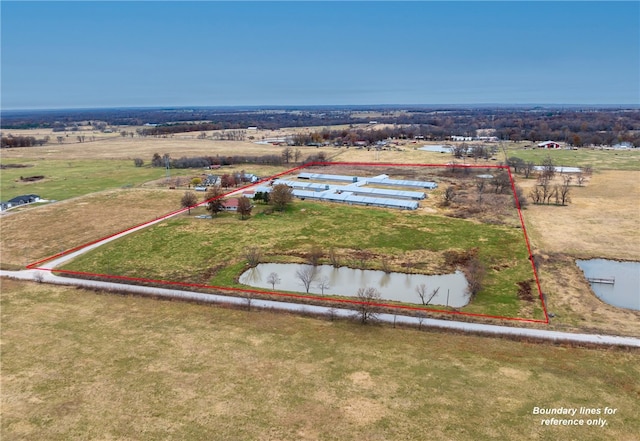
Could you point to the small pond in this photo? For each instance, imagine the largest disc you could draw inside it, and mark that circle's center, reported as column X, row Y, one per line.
column 345, row 281
column 436, row 148
column 615, row 283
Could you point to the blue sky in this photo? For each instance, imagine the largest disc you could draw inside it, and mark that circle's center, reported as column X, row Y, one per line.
column 128, row 54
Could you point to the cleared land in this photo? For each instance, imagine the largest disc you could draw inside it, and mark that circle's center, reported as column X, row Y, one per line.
column 77, row 365
column 39, row 232
column 598, row 223
column 213, row 251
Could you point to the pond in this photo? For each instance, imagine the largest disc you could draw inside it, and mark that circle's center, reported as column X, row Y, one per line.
column 615, row 283
column 436, row 148
column 343, row 281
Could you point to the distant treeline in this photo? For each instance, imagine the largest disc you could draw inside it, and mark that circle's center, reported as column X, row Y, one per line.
column 589, row 126
column 219, row 161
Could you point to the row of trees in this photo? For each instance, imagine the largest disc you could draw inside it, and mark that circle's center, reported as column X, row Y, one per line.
column 11, row 141
column 287, row 156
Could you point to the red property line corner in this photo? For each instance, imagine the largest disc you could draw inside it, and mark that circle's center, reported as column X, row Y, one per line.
column 37, row 265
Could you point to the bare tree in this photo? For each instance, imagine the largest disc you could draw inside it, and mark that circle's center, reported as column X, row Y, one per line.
column 564, row 189
column 273, row 279
column 501, row 182
column 480, row 186
column 334, row 258
column 306, row 274
column 297, row 154
column 536, row 195
column 214, row 200
column 474, row 271
column 362, row 256
column 426, row 297
column 458, row 151
column 189, row 199
column 581, row 178
column 314, row 255
column 546, row 189
column 386, row 265
column 368, row 304
column 548, row 168
column 286, row 154
column 529, row 167
column 281, row 196
column 520, row 200
column 253, row 255
column 138, row 162
column 323, row 284
column 244, row 207
column 449, row 195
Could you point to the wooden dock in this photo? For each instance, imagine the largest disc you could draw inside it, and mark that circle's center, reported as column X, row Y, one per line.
column 603, row 280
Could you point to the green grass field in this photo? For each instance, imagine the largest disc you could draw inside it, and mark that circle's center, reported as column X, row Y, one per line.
column 67, row 179
column 64, row 179
column 210, row 251
column 77, row 365
column 598, row 159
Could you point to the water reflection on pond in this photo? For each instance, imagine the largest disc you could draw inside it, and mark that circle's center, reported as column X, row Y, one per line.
column 345, row 281
column 615, row 283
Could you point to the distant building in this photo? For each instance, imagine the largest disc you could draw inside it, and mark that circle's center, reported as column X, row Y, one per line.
column 549, row 145
column 622, row 146
column 461, row 138
column 486, row 138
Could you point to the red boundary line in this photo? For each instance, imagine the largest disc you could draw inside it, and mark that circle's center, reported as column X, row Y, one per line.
column 35, row 265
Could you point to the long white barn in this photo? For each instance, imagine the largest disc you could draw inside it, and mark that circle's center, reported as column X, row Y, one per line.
column 354, row 192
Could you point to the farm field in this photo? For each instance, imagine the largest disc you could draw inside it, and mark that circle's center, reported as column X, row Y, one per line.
column 53, row 228
column 80, row 365
column 64, row 179
column 553, row 237
column 598, row 159
column 212, row 251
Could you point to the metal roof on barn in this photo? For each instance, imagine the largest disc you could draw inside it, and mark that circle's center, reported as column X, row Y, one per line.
column 322, row 177
column 401, row 183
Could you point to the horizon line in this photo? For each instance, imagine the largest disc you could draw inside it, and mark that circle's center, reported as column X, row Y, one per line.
column 324, row 106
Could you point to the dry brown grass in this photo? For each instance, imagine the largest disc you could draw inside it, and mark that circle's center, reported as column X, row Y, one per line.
column 129, row 148
column 81, row 366
column 113, row 146
column 600, row 222
column 42, row 231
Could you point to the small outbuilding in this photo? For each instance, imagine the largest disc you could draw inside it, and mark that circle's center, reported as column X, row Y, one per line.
column 549, row 145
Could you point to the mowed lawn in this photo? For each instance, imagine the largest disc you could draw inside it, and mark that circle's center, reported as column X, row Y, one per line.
column 211, row 251
column 597, row 159
column 77, row 365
